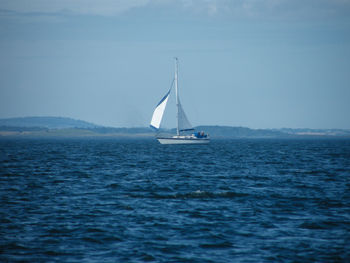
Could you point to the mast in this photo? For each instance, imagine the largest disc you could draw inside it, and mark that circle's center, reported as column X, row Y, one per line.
column 177, row 99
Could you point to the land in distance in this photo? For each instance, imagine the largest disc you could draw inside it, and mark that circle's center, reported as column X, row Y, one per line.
column 44, row 127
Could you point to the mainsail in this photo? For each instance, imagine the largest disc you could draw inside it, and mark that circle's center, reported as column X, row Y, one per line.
column 184, row 124
column 159, row 111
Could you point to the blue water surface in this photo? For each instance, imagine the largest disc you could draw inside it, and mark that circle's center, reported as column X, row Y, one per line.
column 109, row 200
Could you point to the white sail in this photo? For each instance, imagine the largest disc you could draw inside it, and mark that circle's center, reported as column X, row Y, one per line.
column 184, row 124
column 159, row 111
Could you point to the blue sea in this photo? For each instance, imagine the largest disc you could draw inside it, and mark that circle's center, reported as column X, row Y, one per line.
column 110, row 200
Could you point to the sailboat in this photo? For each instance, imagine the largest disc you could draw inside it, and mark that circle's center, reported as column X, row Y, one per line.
column 183, row 125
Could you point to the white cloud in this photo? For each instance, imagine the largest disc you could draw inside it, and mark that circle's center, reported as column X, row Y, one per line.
column 233, row 8
column 270, row 8
column 94, row 7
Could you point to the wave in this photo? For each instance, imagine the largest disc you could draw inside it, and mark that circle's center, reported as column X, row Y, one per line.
column 198, row 194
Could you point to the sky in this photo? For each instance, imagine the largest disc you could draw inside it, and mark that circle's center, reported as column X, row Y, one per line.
column 251, row 63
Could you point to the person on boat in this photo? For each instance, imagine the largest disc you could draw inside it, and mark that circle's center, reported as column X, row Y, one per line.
column 200, row 135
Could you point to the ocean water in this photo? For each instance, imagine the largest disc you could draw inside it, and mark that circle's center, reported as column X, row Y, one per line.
column 110, row 200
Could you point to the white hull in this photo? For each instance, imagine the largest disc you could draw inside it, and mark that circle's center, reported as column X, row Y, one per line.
column 183, row 140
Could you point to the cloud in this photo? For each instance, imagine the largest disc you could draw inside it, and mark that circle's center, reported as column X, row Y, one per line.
column 288, row 9
column 231, row 8
column 92, row 7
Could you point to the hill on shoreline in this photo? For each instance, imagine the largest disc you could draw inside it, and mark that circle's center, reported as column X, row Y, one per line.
column 46, row 122
column 68, row 127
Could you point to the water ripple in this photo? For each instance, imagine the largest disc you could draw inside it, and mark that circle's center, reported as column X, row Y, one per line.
column 138, row 201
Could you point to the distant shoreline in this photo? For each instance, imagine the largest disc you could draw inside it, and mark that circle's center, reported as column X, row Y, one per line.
column 93, row 134
column 59, row 127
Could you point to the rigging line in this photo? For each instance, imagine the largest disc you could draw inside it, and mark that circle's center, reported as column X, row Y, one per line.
column 171, row 86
